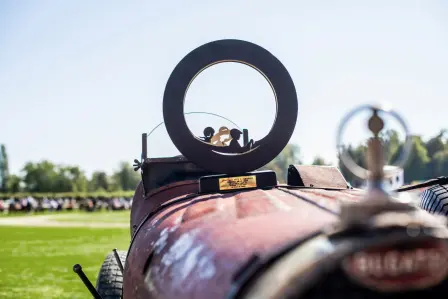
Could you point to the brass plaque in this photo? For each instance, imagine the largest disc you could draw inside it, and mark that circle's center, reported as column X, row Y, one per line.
column 241, row 182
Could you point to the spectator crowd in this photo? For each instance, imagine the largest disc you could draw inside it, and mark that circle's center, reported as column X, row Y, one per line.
column 30, row 204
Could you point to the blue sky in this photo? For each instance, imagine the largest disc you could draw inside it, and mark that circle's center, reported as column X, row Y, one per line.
column 81, row 80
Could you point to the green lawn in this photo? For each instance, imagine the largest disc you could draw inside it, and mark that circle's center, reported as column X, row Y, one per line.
column 19, row 214
column 78, row 216
column 104, row 217
column 37, row 262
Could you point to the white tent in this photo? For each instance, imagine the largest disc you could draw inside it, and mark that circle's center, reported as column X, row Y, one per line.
column 393, row 177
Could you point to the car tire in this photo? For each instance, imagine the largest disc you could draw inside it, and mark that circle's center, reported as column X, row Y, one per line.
column 435, row 200
column 110, row 279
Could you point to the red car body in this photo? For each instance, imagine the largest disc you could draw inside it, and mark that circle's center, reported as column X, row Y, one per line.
column 194, row 246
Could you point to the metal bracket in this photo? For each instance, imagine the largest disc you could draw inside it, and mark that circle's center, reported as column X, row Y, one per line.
column 78, row 270
column 117, row 257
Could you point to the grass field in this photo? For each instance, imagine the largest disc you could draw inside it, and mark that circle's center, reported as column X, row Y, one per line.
column 36, row 262
column 104, row 217
column 19, row 214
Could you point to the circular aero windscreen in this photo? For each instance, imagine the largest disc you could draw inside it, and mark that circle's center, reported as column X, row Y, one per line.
column 233, row 156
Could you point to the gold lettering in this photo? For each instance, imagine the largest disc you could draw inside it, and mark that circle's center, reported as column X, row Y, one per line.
column 243, row 182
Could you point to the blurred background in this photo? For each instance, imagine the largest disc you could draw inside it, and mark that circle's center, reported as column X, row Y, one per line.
column 80, row 81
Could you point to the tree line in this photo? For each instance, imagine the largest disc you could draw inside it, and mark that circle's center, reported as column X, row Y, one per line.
column 429, row 159
column 48, row 177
